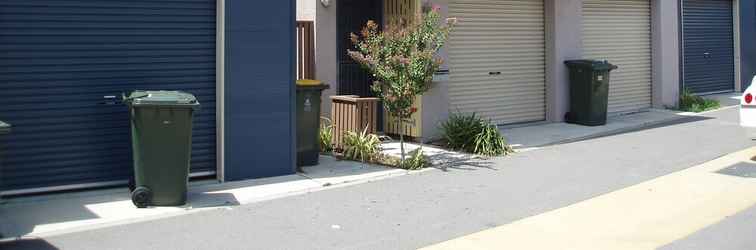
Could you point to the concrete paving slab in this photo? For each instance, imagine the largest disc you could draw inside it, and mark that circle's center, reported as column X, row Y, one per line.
column 532, row 136
column 46, row 215
column 332, row 171
column 726, row 99
column 541, row 135
column 438, row 157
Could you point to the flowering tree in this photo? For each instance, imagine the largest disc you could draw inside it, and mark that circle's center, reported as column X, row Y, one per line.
column 402, row 58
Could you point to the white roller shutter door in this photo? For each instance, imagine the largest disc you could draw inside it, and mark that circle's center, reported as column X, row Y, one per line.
column 620, row 31
column 497, row 58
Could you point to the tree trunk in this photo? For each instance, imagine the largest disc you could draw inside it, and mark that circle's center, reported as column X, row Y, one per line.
column 401, row 140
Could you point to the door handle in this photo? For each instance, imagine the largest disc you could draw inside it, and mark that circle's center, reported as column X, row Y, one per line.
column 494, row 73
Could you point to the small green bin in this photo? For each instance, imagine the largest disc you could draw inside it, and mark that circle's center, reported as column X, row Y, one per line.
column 5, row 129
column 161, row 132
column 589, row 91
column 308, row 121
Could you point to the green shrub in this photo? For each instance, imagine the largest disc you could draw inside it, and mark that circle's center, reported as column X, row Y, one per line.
column 490, row 142
column 326, row 135
column 690, row 102
column 459, row 131
column 364, row 147
column 401, row 56
column 416, row 161
column 472, row 134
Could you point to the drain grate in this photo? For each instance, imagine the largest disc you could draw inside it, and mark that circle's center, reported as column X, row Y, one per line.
column 743, row 169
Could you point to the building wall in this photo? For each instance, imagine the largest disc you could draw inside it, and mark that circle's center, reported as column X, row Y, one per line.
column 747, row 16
column 665, row 53
column 326, row 65
column 259, row 92
column 435, row 106
column 563, row 42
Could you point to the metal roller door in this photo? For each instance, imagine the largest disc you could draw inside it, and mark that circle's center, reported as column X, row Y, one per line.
column 497, row 58
column 59, row 58
column 620, row 31
column 708, row 46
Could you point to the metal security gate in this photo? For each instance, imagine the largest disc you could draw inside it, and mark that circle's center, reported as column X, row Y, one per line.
column 352, row 15
column 351, row 18
column 59, row 58
column 497, row 59
column 620, row 31
column 708, row 46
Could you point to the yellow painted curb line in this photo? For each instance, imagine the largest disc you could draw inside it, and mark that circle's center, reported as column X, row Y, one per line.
column 645, row 216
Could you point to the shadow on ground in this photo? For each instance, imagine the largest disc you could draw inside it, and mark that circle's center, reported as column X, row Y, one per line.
column 212, row 199
column 331, row 167
column 447, row 161
column 32, row 215
column 469, row 165
column 741, row 169
column 27, row 244
column 66, row 209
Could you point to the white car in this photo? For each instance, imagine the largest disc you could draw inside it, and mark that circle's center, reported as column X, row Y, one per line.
column 748, row 106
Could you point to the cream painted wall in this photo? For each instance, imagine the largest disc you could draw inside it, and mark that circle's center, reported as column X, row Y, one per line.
column 665, row 54
column 306, row 10
column 326, row 66
column 563, row 42
column 436, row 101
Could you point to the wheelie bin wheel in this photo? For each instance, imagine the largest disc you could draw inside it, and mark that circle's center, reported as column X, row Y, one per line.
column 141, row 197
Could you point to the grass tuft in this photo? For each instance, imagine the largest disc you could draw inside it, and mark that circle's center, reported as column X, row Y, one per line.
column 690, row 102
column 471, row 133
column 325, row 135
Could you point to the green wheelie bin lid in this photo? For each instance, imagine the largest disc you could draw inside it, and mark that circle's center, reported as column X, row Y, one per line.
column 598, row 65
column 161, row 98
column 5, row 128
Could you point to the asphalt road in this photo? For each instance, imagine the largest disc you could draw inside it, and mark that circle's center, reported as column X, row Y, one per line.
column 418, row 210
column 734, row 233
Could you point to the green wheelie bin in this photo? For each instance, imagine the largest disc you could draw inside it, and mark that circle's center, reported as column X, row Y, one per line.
column 5, row 129
column 308, row 121
column 589, row 91
column 161, row 134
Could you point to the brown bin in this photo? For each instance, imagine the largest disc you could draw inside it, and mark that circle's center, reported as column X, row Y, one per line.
column 352, row 113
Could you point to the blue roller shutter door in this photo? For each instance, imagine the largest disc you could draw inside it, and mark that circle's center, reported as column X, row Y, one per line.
column 708, row 45
column 59, row 58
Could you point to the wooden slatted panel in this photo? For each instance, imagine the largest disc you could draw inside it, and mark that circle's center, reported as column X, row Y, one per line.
column 620, row 31
column 497, row 59
column 394, row 11
column 352, row 113
column 411, row 127
column 305, row 50
column 59, row 58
